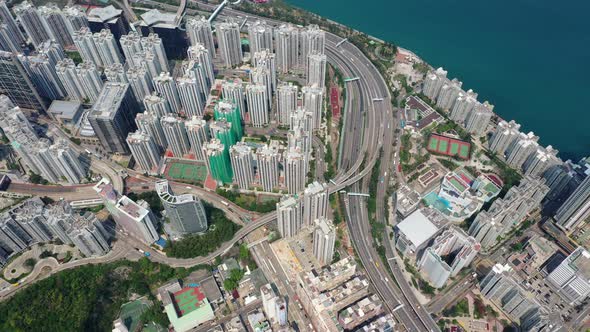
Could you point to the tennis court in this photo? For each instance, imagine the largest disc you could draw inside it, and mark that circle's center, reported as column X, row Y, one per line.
column 449, row 146
column 186, row 172
column 131, row 312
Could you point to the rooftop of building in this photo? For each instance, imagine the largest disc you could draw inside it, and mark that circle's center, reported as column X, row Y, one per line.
column 110, row 99
column 131, row 208
column 189, row 308
column 156, row 18
column 104, row 14
column 62, row 109
column 421, row 225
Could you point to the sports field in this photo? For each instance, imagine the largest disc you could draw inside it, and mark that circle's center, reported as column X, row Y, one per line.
column 449, row 146
column 131, row 312
column 186, row 172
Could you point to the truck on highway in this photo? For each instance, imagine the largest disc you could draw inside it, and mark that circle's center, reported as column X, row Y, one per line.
column 225, row 203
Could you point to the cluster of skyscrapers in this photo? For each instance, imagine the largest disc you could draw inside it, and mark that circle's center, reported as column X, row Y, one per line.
column 462, row 105
column 33, row 222
column 506, row 214
column 55, row 162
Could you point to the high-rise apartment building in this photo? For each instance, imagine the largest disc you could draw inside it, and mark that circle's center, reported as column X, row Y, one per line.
column 31, row 21
column 42, row 73
column 65, row 70
column 218, row 161
column 157, row 104
column 84, row 41
column 258, row 106
column 196, row 129
column 149, row 122
column 75, row 18
column 312, row 101
column 448, row 94
column 453, row 242
column 505, row 134
column 324, row 238
column 56, row 24
column 315, row 202
column 576, row 208
column 260, row 36
column 287, row 47
column 508, row 212
column 112, row 116
column 192, row 98
column 289, row 216
column 316, row 70
column 286, row 102
column 134, row 217
column 222, row 130
column 229, row 42
column 186, row 212
column 116, row 73
column 234, row 91
column 199, row 32
column 201, row 62
column 141, row 83
column 176, row 135
column 520, row 149
column 313, row 40
column 131, row 45
column 90, row 81
column 107, row 47
column 144, row 150
column 229, row 111
column 242, row 162
column 11, row 30
column 268, row 166
column 295, row 170
column 478, row 119
column 165, row 85
column 540, row 161
column 153, row 44
column 433, row 83
column 464, row 104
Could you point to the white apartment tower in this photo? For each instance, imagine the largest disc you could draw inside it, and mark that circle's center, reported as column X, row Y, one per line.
column 464, row 104
column 258, row 108
column 434, row 82
column 141, row 82
column 91, row 83
column 479, row 118
column 196, row 129
column 268, row 167
column 201, row 62
column 540, row 161
column 176, row 135
column 315, row 202
column 520, row 148
column 448, row 94
column 153, row 43
column 157, row 105
column 312, row 101
column 31, row 21
column 287, row 47
column 295, row 170
column 115, row 72
column 83, row 39
column 242, row 162
column 289, row 216
column 107, row 47
column 316, row 70
column 260, row 36
column 149, row 123
column 266, row 59
column 313, row 40
column 131, row 45
column 324, row 238
column 230, row 44
column 144, row 150
column 56, row 24
column 190, row 94
column 199, row 32
column 505, row 134
column 286, row 102
column 165, row 85
column 234, row 91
